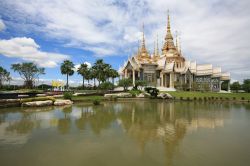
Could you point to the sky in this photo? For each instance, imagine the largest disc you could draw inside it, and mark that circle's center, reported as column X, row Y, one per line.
column 47, row 32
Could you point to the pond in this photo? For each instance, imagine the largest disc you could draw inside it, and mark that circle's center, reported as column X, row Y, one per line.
column 140, row 133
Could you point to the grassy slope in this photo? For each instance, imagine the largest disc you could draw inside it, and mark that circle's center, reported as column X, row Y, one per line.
column 210, row 94
column 87, row 98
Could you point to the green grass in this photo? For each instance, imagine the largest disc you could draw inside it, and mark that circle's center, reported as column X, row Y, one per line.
column 191, row 95
column 87, row 98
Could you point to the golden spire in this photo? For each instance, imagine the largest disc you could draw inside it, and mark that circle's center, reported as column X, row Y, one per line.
column 157, row 46
column 176, row 40
column 143, row 51
column 180, row 45
column 169, row 43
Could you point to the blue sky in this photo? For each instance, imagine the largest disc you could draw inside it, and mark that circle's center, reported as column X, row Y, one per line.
column 49, row 31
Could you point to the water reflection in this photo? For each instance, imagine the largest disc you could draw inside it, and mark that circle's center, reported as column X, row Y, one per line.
column 142, row 122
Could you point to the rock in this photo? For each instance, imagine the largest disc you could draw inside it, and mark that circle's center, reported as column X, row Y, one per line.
column 41, row 95
column 9, row 100
column 164, row 96
column 57, row 96
column 38, row 103
column 143, row 95
column 79, row 94
column 62, row 102
column 122, row 95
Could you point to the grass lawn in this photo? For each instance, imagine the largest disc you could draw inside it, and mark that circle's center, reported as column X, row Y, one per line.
column 87, row 98
column 191, row 95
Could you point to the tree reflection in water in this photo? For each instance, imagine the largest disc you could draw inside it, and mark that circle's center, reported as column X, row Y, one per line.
column 143, row 122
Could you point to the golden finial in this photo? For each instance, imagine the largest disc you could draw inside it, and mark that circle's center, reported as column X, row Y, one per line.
column 157, row 46
column 176, row 40
column 168, row 26
column 180, row 44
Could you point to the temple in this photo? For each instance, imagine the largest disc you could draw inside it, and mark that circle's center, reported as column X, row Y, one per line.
column 170, row 69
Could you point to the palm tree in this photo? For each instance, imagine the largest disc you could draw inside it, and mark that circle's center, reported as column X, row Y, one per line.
column 99, row 67
column 67, row 68
column 93, row 74
column 113, row 75
column 82, row 70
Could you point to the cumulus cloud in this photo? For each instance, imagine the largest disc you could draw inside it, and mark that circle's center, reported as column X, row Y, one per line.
column 212, row 31
column 2, row 25
column 78, row 65
column 28, row 50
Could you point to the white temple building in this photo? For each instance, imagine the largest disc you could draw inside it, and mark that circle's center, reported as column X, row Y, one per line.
column 170, row 69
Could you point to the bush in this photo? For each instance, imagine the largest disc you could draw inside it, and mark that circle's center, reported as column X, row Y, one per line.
column 125, row 83
column 195, row 98
column 106, row 86
column 181, row 98
column 152, row 91
column 96, row 102
column 234, row 98
column 242, row 98
column 188, row 98
column 139, row 83
column 67, row 95
column 134, row 92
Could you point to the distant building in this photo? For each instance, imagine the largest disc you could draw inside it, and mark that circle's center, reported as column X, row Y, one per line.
column 170, row 68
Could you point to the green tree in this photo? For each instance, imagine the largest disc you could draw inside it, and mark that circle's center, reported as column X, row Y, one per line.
column 99, row 66
column 93, row 74
column 28, row 72
column 125, row 83
column 140, row 83
column 113, row 74
column 235, row 86
column 4, row 76
column 246, row 85
column 82, row 70
column 67, row 68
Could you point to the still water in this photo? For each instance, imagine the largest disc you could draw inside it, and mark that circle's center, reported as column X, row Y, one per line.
column 142, row 133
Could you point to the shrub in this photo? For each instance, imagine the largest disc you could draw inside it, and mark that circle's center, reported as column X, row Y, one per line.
column 205, row 98
column 125, row 83
column 195, row 98
column 96, row 102
column 67, row 95
column 200, row 99
column 181, row 98
column 106, row 86
column 134, row 92
column 139, row 83
column 234, row 98
column 152, row 91
column 188, row 98
column 221, row 98
column 212, row 98
column 242, row 98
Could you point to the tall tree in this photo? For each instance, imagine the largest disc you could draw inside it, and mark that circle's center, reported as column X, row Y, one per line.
column 113, row 75
column 4, row 76
column 67, row 69
column 93, row 75
column 246, row 85
column 28, row 72
column 82, row 70
column 235, row 86
column 99, row 67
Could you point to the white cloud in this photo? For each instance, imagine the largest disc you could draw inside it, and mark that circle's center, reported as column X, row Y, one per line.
column 28, row 50
column 2, row 25
column 212, row 31
column 78, row 65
